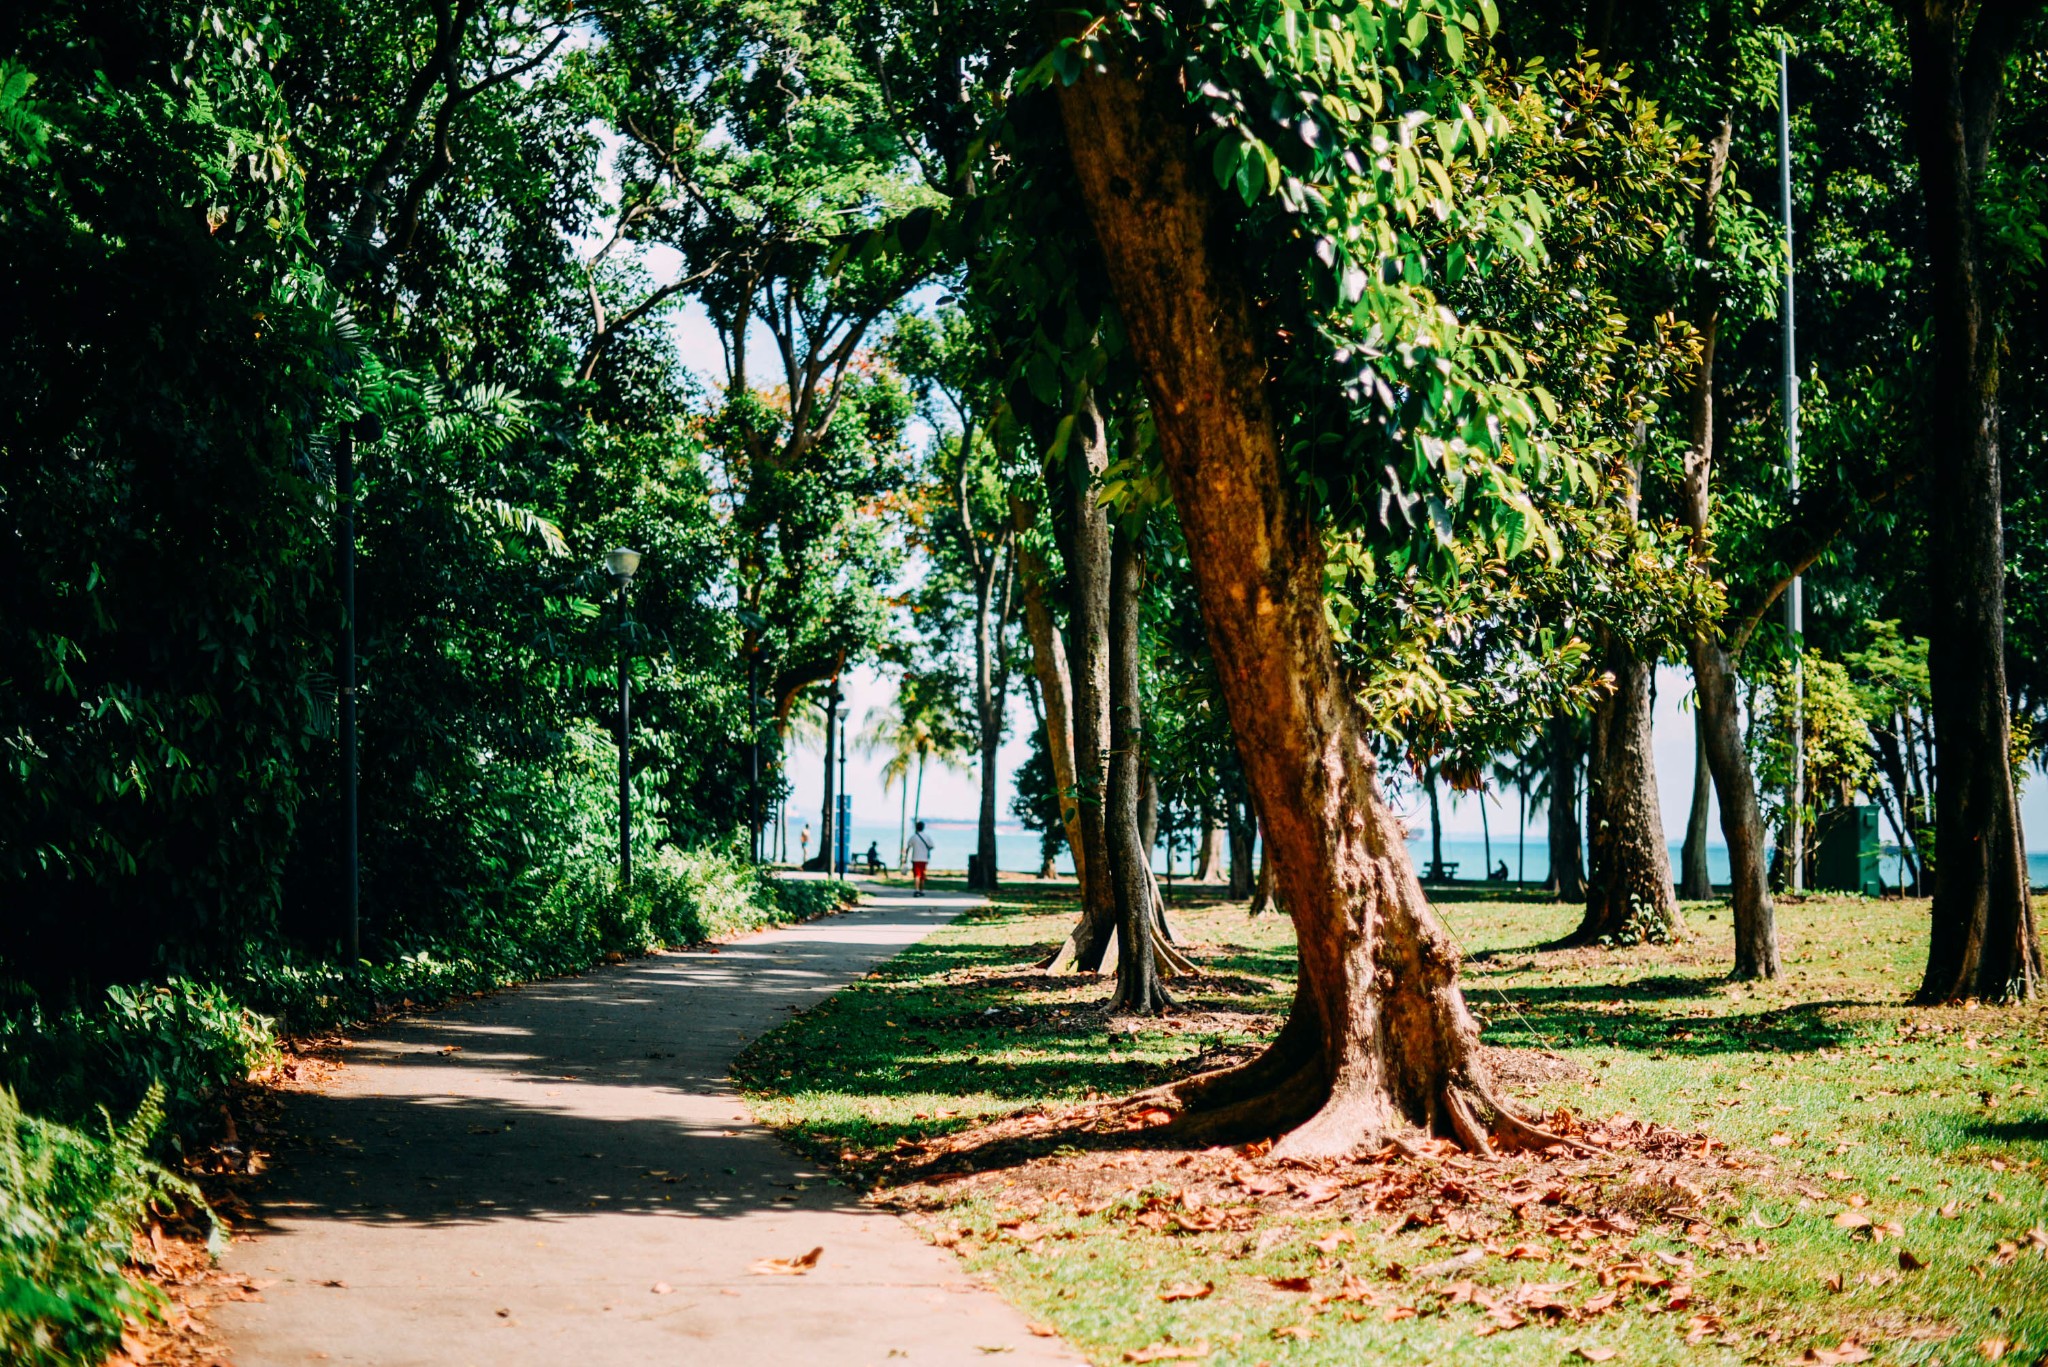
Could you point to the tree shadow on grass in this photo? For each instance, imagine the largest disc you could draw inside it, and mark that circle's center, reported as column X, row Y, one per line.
column 1553, row 1017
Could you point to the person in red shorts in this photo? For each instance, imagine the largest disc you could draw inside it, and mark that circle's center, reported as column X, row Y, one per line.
column 920, row 857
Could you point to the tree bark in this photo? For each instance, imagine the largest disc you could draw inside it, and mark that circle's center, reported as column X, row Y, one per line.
column 1984, row 943
column 1695, row 880
column 1086, row 549
column 1263, row 899
column 1242, row 833
column 1629, row 897
column 822, row 861
column 1567, row 872
column 1742, row 818
column 1138, row 988
column 1436, row 827
column 1209, row 855
column 1055, row 685
column 1754, row 915
column 1148, row 806
column 1379, row 1039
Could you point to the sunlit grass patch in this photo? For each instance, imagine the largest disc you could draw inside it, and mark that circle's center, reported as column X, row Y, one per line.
column 1875, row 1178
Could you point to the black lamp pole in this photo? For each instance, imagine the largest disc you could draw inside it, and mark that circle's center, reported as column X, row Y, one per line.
column 622, row 562
column 844, row 836
column 351, row 870
column 625, row 749
column 370, row 428
column 754, row 749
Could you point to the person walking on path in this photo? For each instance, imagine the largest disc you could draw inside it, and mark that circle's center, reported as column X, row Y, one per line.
column 920, row 856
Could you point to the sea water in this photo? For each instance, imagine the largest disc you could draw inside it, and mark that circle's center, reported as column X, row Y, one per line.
column 1528, row 859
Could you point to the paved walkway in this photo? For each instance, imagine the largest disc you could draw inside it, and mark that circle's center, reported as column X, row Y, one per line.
column 563, row 1175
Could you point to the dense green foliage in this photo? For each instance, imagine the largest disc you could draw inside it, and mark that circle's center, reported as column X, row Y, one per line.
column 70, row 1201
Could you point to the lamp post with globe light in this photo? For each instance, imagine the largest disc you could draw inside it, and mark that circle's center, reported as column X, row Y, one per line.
column 622, row 563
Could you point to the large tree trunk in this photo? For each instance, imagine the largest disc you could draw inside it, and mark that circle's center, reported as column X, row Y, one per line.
column 1086, row 549
column 1209, row 854
column 1436, row 826
column 1984, row 942
column 1695, row 880
column 1742, row 818
column 1379, row 1039
column 1243, row 829
column 1138, row 989
column 1567, row 872
column 1148, row 807
column 1055, row 686
column 1629, row 897
column 1755, row 916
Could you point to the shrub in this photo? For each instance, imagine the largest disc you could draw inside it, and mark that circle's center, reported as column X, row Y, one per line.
column 69, row 1205
column 186, row 1041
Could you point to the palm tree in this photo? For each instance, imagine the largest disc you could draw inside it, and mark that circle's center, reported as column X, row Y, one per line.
column 927, row 722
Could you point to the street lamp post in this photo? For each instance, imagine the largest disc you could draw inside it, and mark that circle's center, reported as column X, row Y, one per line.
column 368, row 428
column 845, row 822
column 623, row 562
column 754, row 750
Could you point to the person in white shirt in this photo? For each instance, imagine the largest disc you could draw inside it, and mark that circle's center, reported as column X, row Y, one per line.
column 920, row 856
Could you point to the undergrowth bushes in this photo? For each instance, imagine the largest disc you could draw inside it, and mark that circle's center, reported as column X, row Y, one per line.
column 70, row 1202
column 164, row 1054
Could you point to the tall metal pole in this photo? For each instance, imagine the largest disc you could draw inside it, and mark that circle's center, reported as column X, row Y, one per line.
column 842, row 838
column 1795, row 606
column 825, row 836
column 625, row 748
column 351, row 868
column 754, row 750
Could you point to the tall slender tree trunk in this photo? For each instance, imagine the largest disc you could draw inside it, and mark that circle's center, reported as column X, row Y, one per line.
column 1086, row 550
column 1243, row 830
column 1695, row 880
column 1742, row 818
column 903, row 821
column 1629, row 895
column 1984, row 941
column 1263, row 898
column 1754, row 915
column 1210, row 854
column 1486, row 835
column 994, row 578
column 822, row 861
column 1379, row 1039
column 1138, row 988
column 1436, row 826
column 1148, row 809
column 1055, row 684
column 1567, row 871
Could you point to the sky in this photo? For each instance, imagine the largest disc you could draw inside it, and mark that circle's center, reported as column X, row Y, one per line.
column 956, row 795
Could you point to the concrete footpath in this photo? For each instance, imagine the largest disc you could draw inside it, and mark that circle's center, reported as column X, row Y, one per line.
column 563, row 1174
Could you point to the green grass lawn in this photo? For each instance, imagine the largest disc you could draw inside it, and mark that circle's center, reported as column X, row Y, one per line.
column 1876, row 1177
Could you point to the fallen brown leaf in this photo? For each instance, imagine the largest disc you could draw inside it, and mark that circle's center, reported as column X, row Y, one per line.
column 1290, row 1283
column 1993, row 1349
column 1330, row 1242
column 785, row 1267
column 1595, row 1354
column 1849, row 1351
column 1169, row 1352
column 1295, row 1331
column 661, row 1288
column 1188, row 1291
column 1044, row 1331
column 1910, row 1263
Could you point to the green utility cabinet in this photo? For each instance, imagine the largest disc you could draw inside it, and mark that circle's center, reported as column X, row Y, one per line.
column 1846, row 851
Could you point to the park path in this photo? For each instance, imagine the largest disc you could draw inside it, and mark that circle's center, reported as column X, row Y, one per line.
column 563, row 1175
